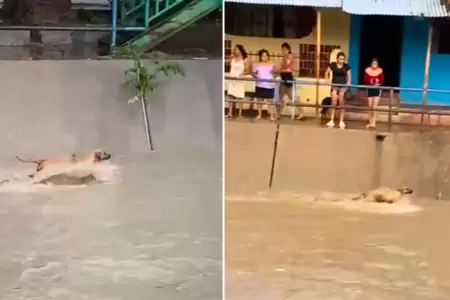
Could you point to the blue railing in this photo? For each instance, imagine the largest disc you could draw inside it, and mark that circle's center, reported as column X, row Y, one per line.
column 152, row 10
column 130, row 11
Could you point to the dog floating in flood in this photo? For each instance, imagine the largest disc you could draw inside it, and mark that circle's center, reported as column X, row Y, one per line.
column 383, row 195
column 91, row 158
column 71, row 170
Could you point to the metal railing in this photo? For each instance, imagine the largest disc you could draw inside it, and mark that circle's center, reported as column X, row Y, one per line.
column 129, row 9
column 422, row 109
column 153, row 9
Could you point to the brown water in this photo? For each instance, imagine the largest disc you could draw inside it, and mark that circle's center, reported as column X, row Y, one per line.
column 278, row 249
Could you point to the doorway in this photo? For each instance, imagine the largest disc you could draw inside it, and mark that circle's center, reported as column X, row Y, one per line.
column 381, row 37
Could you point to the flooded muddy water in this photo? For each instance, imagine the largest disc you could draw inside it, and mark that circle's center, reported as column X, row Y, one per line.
column 281, row 248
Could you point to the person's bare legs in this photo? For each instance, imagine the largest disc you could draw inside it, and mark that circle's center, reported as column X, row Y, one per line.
column 341, row 99
column 241, row 107
column 334, row 101
column 230, row 107
column 272, row 105
column 284, row 91
column 259, row 108
column 370, row 113
column 375, row 102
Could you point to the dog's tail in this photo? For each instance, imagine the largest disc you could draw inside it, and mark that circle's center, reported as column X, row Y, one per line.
column 26, row 161
column 359, row 197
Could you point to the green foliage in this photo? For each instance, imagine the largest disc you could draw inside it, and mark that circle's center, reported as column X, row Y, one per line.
column 143, row 75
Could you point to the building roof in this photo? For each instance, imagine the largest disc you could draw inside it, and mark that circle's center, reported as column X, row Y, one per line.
column 87, row 4
column 419, row 8
column 313, row 3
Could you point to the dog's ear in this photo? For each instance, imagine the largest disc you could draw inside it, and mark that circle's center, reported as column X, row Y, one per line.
column 97, row 156
column 405, row 190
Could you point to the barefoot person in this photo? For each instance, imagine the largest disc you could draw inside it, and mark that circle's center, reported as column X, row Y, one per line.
column 373, row 75
column 236, row 88
column 338, row 73
column 286, row 73
column 264, row 91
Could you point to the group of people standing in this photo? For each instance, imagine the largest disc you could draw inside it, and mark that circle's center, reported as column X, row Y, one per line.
column 264, row 71
column 338, row 75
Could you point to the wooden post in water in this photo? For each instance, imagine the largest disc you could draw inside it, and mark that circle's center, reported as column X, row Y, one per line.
column 426, row 71
column 318, row 44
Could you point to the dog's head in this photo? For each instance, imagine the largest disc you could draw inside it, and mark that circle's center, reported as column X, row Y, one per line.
column 405, row 190
column 101, row 155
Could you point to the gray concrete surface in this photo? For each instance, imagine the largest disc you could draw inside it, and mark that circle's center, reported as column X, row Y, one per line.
column 315, row 159
column 154, row 235
column 311, row 159
column 248, row 156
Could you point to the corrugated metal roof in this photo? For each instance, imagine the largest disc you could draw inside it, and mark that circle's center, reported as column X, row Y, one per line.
column 312, row 3
column 419, row 8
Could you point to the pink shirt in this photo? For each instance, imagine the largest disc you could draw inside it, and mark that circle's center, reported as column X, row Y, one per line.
column 287, row 64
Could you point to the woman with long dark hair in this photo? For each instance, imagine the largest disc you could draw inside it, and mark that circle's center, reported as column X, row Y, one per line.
column 374, row 76
column 264, row 91
column 236, row 88
column 338, row 73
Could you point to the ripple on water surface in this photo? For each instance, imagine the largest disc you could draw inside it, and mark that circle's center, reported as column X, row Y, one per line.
column 293, row 247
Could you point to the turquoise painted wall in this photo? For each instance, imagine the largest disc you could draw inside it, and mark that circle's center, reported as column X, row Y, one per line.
column 413, row 65
column 353, row 47
column 413, row 62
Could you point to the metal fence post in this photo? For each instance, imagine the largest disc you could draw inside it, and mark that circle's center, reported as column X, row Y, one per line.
column 391, row 99
column 317, row 99
column 114, row 23
column 294, row 89
column 276, row 98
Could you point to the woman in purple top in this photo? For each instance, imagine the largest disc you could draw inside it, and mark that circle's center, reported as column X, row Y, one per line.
column 264, row 91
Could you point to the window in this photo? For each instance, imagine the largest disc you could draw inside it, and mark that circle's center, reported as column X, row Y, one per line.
column 227, row 53
column 277, row 21
column 441, row 32
column 307, row 59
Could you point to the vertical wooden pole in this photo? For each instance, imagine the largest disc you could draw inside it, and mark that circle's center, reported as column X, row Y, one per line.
column 318, row 43
column 427, row 69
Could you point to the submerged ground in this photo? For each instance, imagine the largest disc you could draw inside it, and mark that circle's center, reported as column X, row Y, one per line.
column 155, row 234
column 283, row 249
column 282, row 245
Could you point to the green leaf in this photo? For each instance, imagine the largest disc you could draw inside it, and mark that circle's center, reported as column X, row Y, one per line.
column 142, row 78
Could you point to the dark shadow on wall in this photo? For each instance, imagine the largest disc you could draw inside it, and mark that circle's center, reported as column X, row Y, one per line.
column 381, row 37
column 201, row 39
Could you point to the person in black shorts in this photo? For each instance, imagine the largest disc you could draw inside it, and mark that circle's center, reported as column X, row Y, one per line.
column 338, row 73
column 263, row 71
column 373, row 76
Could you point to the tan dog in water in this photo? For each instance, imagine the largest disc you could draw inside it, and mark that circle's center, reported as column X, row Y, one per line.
column 93, row 157
column 383, row 195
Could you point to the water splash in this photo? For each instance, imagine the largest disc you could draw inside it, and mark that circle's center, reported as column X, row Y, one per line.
column 104, row 172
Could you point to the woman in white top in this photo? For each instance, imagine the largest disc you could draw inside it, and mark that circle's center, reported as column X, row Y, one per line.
column 236, row 89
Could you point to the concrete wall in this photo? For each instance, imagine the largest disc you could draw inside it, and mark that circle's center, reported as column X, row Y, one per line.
column 248, row 156
column 51, row 107
column 320, row 159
